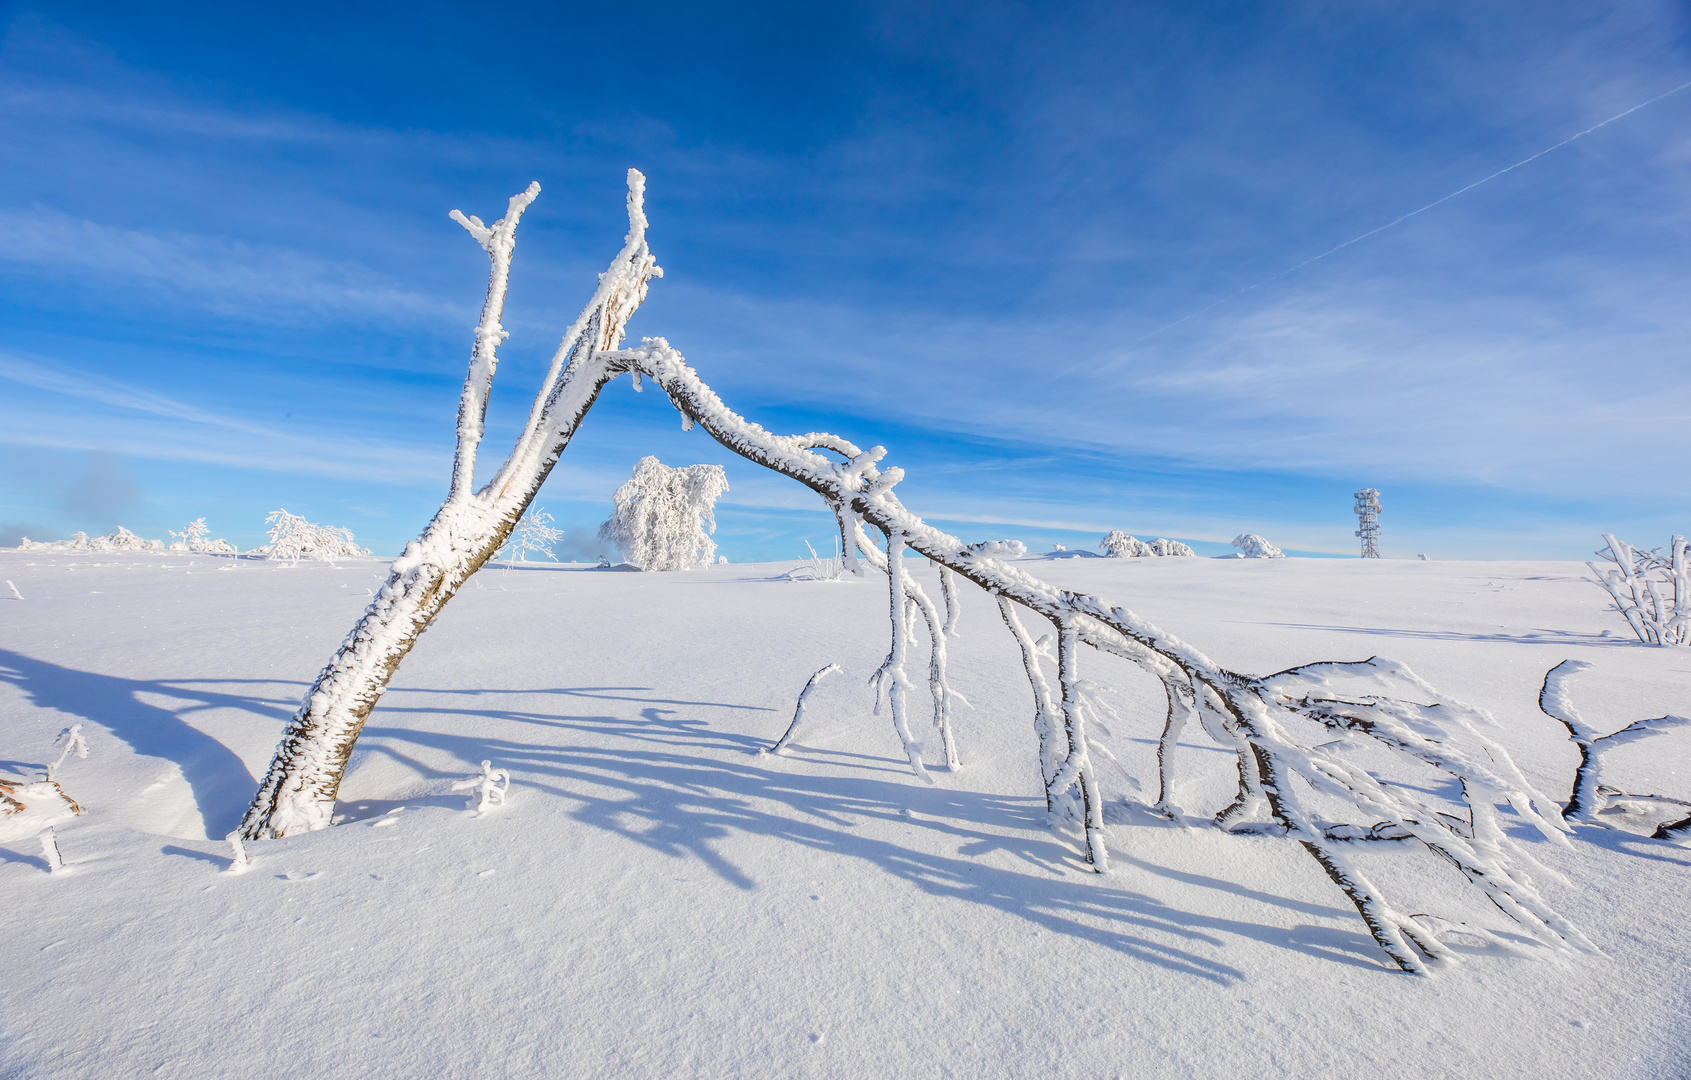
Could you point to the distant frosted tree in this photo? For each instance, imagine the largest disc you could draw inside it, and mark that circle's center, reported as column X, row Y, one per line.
column 293, row 538
column 192, row 538
column 533, row 535
column 122, row 540
column 664, row 517
column 1252, row 546
column 1119, row 545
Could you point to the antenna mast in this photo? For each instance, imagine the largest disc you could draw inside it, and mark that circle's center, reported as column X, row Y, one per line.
column 1368, row 518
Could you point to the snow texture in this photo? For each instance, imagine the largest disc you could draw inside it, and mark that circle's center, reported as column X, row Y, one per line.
column 1252, row 546
column 663, row 517
column 698, row 910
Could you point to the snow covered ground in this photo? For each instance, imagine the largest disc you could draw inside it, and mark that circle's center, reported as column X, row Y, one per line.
column 657, row 899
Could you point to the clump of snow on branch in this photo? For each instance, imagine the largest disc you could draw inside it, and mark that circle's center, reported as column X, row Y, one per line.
column 122, row 540
column 192, row 538
column 1658, row 608
column 798, row 709
column 663, row 517
column 1119, row 545
column 293, row 538
column 239, row 861
column 74, row 744
column 1591, row 797
column 1252, row 546
column 533, row 535
column 490, row 787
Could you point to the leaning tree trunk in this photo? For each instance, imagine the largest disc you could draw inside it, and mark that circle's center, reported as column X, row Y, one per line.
column 298, row 792
column 1357, row 705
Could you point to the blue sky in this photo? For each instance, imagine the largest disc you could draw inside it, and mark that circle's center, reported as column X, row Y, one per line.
column 1032, row 249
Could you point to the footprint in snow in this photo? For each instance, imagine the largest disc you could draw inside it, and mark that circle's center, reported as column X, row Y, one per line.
column 296, row 875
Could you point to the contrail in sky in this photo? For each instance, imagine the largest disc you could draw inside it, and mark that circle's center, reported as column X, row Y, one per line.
column 1412, row 213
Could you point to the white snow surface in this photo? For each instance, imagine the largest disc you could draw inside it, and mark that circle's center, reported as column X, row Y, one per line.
column 658, row 899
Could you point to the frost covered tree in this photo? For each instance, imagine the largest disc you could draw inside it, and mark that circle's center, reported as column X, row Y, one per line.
column 1307, row 741
column 192, row 539
column 533, row 535
column 293, row 538
column 663, row 517
column 1252, row 546
column 122, row 540
column 1657, row 608
column 1119, row 545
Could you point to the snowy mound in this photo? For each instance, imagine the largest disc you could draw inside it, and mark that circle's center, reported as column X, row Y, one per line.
column 1252, row 546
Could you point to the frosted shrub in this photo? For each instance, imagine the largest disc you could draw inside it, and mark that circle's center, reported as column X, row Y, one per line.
column 192, row 538
column 1252, row 546
column 664, row 517
column 1657, row 608
column 122, row 540
column 533, row 535
column 293, row 538
column 490, row 786
column 1119, row 545
column 819, row 567
column 1160, row 546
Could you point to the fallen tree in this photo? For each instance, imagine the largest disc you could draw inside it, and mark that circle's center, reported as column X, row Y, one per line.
column 1284, row 782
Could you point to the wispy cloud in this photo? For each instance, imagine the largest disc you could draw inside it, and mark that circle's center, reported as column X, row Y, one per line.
column 206, row 273
column 147, row 424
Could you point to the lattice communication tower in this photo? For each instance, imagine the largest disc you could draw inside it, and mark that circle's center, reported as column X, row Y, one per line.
column 1368, row 518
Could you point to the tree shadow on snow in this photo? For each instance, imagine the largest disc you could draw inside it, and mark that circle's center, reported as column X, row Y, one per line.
column 671, row 783
column 220, row 782
column 1536, row 636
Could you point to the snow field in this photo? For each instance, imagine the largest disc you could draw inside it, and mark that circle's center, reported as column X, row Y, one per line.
column 658, row 899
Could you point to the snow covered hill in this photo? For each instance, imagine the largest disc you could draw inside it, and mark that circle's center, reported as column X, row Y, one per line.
column 657, row 898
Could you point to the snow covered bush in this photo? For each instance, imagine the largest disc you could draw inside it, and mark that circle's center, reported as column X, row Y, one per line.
column 663, row 517
column 533, row 535
column 1657, row 608
column 122, row 540
column 1252, row 546
column 293, row 538
column 1119, row 545
column 1000, row 549
column 192, row 538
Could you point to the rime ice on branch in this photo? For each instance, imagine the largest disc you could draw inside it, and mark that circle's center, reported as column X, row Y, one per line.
column 1292, row 777
column 1657, row 609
